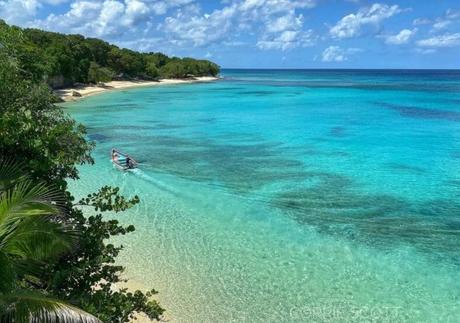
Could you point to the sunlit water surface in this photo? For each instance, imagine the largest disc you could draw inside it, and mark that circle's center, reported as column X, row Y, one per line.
column 289, row 196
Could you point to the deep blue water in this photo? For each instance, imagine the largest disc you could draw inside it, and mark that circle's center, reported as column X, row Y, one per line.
column 290, row 195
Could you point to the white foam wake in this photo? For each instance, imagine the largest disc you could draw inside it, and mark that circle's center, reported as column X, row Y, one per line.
column 152, row 180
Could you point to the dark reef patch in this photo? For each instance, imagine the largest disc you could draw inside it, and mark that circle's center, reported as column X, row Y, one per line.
column 365, row 86
column 455, row 183
column 238, row 167
column 341, row 154
column 207, row 120
column 421, row 113
column 104, row 107
column 224, row 89
column 256, row 93
column 406, row 168
column 132, row 127
column 98, row 137
column 338, row 132
column 455, row 154
column 334, row 206
column 165, row 126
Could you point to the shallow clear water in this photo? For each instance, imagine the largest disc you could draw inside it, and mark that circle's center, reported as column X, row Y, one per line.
column 289, row 196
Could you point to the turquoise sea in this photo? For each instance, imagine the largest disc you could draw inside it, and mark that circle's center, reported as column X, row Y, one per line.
column 289, row 195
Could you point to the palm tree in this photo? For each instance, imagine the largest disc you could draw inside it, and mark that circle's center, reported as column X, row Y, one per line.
column 31, row 232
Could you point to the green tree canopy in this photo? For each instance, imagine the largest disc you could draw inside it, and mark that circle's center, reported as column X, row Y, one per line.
column 99, row 74
column 49, row 144
column 152, row 71
column 30, row 235
column 61, row 60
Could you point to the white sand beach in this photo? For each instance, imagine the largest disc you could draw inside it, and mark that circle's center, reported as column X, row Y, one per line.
column 79, row 92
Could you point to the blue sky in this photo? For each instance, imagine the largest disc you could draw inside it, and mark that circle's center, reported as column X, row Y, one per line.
column 263, row 33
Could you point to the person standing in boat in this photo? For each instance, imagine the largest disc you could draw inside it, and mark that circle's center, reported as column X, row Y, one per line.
column 129, row 162
column 114, row 156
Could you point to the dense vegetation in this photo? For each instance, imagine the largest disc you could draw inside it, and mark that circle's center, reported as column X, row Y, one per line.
column 56, row 262
column 62, row 60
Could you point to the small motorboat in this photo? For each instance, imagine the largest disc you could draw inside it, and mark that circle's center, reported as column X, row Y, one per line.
column 122, row 160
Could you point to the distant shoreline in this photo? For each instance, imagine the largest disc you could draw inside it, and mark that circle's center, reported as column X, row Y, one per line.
column 67, row 94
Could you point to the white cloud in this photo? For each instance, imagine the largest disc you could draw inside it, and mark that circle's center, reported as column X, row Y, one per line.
column 445, row 40
column 161, row 7
column 337, row 54
column 352, row 24
column 251, row 4
column 136, row 11
column 452, row 14
column 403, row 37
column 200, row 30
column 103, row 18
column 333, row 54
column 441, row 24
column 273, row 6
column 275, row 24
column 235, row 43
column 276, row 21
column 425, row 51
column 18, row 11
column 285, row 32
column 422, row 21
column 288, row 39
column 283, row 28
column 55, row 2
column 286, row 22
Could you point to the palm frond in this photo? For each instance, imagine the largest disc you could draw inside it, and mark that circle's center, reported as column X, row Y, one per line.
column 7, row 273
column 31, row 231
column 27, row 198
column 27, row 202
column 26, row 306
column 30, row 227
column 38, row 239
column 10, row 174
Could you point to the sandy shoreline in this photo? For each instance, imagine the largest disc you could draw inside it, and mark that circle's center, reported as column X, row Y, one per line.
column 87, row 90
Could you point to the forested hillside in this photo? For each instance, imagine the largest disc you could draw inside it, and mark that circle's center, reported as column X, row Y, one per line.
column 62, row 60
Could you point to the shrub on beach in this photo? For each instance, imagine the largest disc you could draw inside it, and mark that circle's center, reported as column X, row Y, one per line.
column 152, row 71
column 98, row 74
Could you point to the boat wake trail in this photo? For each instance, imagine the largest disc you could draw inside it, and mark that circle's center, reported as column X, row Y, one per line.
column 142, row 175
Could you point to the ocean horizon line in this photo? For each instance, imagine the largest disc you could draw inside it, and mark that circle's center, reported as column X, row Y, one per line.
column 337, row 69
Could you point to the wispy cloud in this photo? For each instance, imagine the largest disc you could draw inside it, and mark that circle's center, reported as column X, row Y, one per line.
column 445, row 40
column 19, row 11
column 105, row 18
column 275, row 21
column 439, row 23
column 352, row 24
column 200, row 29
column 403, row 37
column 289, row 39
column 338, row 54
